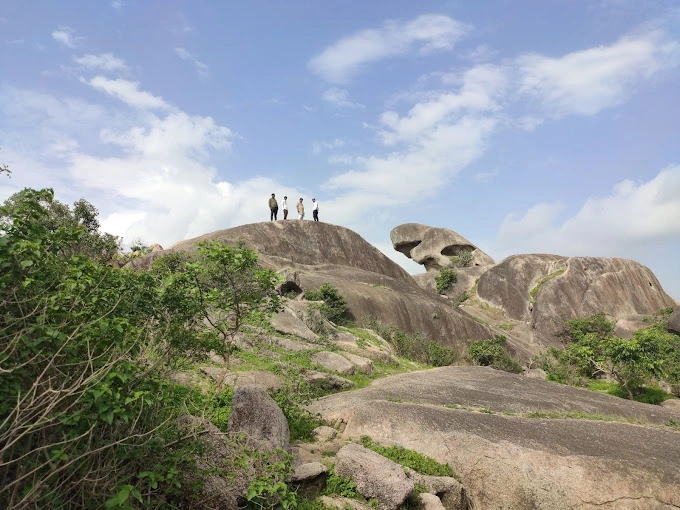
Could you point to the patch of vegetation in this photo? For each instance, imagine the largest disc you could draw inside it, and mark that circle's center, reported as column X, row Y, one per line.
column 592, row 351
column 506, row 327
column 86, row 414
column 446, row 279
column 462, row 259
column 338, row 486
column 409, row 458
column 493, row 353
column 415, row 346
column 540, row 282
column 334, row 306
column 462, row 297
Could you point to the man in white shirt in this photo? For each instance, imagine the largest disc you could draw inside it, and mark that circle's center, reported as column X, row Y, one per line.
column 315, row 209
column 285, row 208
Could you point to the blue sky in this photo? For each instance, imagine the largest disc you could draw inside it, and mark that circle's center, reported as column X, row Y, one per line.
column 525, row 126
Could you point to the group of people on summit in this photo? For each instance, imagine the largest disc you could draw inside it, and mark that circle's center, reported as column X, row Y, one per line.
column 274, row 209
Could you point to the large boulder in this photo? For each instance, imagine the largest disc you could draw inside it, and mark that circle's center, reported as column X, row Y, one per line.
column 375, row 476
column 432, row 247
column 546, row 290
column 255, row 414
column 674, row 322
column 486, row 425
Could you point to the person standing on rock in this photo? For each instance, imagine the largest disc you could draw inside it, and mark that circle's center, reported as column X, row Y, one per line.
column 315, row 209
column 273, row 207
column 284, row 204
column 301, row 210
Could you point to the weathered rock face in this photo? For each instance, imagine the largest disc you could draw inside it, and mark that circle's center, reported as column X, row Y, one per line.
column 545, row 290
column 674, row 322
column 432, row 247
column 509, row 460
column 372, row 285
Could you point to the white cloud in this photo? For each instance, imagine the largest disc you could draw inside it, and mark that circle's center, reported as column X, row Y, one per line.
column 481, row 87
column 585, row 82
column 128, row 92
column 66, row 36
column 340, row 62
column 117, row 4
column 105, row 61
column 631, row 214
column 339, row 98
column 201, row 67
column 318, row 147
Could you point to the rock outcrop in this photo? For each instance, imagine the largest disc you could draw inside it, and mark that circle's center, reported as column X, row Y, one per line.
column 487, row 426
column 546, row 290
column 372, row 285
column 432, row 247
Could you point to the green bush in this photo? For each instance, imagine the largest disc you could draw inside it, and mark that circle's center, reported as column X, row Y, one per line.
column 493, row 353
column 462, row 259
column 446, row 279
column 415, row 346
column 334, row 306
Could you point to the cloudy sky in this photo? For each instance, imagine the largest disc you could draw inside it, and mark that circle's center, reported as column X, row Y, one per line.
column 527, row 126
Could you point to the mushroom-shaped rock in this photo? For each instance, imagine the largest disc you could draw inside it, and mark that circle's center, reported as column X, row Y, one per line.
column 255, row 414
column 374, row 475
column 433, row 247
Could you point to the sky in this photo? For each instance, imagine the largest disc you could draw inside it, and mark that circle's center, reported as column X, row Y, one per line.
column 526, row 126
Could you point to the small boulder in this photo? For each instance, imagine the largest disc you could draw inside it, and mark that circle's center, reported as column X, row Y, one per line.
column 430, row 502
column 255, row 414
column 324, row 433
column 672, row 403
column 288, row 323
column 449, row 491
column 535, row 373
column 307, row 471
column 332, row 361
column 343, row 503
column 325, row 381
column 374, row 475
column 271, row 382
column 362, row 364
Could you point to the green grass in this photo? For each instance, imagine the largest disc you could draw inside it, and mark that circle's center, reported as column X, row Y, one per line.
column 409, row 458
column 506, row 327
column 648, row 394
column 540, row 282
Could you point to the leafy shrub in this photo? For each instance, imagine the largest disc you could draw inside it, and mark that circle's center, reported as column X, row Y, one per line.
column 415, row 346
column 635, row 363
column 334, row 306
column 493, row 353
column 338, row 486
column 462, row 258
column 409, row 458
column 446, row 279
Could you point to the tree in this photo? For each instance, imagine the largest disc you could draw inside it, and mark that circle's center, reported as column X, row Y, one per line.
column 81, row 223
column 228, row 287
column 445, row 280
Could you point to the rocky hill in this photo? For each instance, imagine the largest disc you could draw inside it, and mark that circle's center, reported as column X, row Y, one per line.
column 508, row 441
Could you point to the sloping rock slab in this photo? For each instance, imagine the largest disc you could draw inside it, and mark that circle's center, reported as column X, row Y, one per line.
column 514, row 462
column 374, row 475
column 271, row 382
